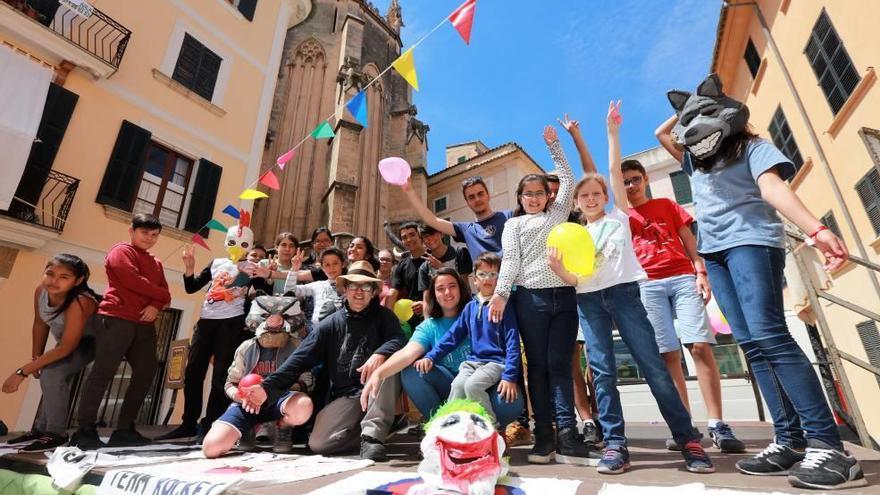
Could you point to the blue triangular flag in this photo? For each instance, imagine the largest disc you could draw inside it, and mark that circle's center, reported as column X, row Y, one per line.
column 232, row 212
column 358, row 107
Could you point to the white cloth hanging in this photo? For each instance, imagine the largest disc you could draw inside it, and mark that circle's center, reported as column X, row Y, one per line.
column 24, row 85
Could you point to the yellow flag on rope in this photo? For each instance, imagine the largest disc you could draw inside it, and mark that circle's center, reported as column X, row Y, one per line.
column 252, row 194
column 406, row 66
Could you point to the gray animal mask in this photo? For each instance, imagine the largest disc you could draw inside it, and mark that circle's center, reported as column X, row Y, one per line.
column 706, row 118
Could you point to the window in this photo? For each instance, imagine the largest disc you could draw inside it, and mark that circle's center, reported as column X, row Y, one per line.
column 829, row 221
column 163, row 185
column 197, row 67
column 830, row 62
column 753, row 59
column 462, row 159
column 871, row 341
column 440, row 204
column 247, row 8
column 681, row 186
column 146, row 177
column 869, row 192
column 782, row 137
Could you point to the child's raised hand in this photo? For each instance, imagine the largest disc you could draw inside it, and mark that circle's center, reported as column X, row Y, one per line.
column 550, row 136
column 614, row 118
column 507, row 391
column 188, row 256
column 297, row 260
column 833, row 248
column 572, row 126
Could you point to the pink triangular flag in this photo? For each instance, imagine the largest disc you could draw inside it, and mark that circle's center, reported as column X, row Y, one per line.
column 197, row 239
column 283, row 159
column 270, row 180
column 462, row 19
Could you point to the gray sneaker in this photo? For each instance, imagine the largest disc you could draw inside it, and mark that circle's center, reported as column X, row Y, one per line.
column 283, row 441
column 247, row 442
column 775, row 460
column 826, row 469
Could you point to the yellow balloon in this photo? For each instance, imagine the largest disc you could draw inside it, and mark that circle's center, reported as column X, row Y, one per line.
column 575, row 244
column 235, row 253
column 403, row 309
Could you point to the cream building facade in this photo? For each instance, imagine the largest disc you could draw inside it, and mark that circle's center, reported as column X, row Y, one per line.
column 806, row 70
column 164, row 111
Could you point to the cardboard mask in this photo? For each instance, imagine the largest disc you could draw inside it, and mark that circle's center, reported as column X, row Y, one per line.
column 707, row 118
column 461, row 450
column 275, row 332
column 240, row 237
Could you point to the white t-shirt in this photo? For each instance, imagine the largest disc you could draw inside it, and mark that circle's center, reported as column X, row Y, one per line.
column 616, row 262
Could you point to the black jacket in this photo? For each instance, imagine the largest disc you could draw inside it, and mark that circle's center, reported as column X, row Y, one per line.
column 342, row 343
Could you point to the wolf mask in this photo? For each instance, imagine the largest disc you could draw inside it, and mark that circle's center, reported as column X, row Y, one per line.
column 707, row 118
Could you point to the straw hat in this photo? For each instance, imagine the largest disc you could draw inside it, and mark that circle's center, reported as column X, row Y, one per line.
column 358, row 272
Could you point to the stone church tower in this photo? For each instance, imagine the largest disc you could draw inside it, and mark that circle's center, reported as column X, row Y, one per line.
column 327, row 59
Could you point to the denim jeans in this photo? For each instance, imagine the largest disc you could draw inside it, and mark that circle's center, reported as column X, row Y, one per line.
column 548, row 327
column 430, row 390
column 622, row 304
column 747, row 281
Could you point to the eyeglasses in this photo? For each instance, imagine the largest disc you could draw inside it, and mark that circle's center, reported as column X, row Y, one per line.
column 366, row 288
column 486, row 275
column 632, row 181
column 534, row 194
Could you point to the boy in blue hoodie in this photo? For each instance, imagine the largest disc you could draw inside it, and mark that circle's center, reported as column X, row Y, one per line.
column 495, row 352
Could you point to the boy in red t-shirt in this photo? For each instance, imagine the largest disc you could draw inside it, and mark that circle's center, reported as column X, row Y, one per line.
column 137, row 291
column 677, row 289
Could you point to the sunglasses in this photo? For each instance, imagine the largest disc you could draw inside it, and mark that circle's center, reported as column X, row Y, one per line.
column 632, row 181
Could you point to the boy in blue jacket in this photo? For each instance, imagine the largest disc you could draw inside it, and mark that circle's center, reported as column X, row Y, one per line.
column 495, row 352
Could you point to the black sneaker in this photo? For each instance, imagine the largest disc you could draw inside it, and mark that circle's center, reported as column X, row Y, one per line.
column 26, row 438
column 592, row 433
column 45, row 443
column 696, row 459
column 264, row 436
column 571, row 449
column 182, row 432
column 247, row 442
column 372, row 449
column 128, row 437
column 775, row 460
column 283, row 442
column 545, row 446
column 723, row 438
column 826, row 469
column 86, row 439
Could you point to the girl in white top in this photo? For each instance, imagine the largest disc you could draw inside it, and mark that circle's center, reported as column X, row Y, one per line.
column 545, row 309
column 612, row 293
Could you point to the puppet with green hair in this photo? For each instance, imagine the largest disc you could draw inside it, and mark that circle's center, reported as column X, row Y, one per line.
column 461, row 451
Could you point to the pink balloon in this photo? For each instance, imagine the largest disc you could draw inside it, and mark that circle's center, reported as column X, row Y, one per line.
column 719, row 324
column 394, row 170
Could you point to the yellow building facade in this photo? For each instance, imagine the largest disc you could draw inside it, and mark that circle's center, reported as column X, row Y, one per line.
column 158, row 107
column 817, row 100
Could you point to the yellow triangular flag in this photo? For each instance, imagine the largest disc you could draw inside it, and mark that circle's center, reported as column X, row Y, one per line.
column 252, row 194
column 406, row 66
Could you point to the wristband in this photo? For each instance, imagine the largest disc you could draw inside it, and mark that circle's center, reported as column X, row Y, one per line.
column 702, row 272
column 816, row 232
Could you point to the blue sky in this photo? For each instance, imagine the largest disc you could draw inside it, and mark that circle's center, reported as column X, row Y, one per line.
column 529, row 62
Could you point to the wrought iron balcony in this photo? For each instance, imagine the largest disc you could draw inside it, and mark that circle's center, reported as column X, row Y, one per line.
column 89, row 28
column 43, row 198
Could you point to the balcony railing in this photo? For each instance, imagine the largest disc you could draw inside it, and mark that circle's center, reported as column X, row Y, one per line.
column 97, row 34
column 43, row 198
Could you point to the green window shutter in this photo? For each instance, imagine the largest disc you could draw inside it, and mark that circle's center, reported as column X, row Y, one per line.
column 203, row 196
column 124, row 172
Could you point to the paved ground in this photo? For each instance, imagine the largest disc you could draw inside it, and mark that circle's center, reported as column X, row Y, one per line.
column 652, row 465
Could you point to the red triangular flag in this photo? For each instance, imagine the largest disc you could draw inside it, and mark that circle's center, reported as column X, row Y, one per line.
column 463, row 19
column 197, row 239
column 269, row 180
column 283, row 159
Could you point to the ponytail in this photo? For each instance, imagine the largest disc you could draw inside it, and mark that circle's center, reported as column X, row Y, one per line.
column 80, row 269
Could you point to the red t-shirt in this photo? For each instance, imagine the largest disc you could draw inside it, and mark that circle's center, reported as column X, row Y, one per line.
column 656, row 240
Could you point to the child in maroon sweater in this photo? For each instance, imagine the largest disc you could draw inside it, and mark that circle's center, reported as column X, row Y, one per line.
column 136, row 292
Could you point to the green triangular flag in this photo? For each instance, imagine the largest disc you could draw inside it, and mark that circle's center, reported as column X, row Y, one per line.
column 215, row 225
column 323, row 131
